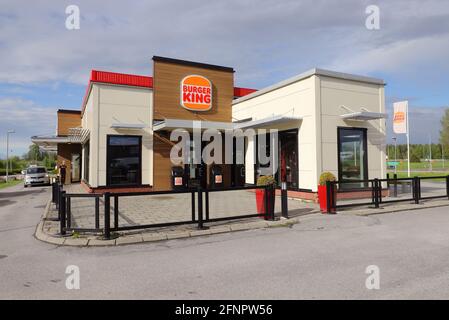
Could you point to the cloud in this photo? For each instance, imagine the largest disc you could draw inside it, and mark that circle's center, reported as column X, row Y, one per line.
column 265, row 41
column 424, row 124
column 27, row 119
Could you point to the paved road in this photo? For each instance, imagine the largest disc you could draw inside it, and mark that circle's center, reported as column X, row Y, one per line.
column 323, row 257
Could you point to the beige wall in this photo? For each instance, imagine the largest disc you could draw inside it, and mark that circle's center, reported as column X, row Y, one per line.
column 298, row 100
column 317, row 100
column 356, row 96
column 89, row 117
column 110, row 104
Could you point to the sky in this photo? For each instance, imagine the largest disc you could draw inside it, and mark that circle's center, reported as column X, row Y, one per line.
column 44, row 66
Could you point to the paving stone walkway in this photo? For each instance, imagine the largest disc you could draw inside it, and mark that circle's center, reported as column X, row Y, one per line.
column 157, row 209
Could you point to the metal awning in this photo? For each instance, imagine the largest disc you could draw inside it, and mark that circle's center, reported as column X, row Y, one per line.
column 364, row 116
column 172, row 124
column 270, row 122
column 49, row 143
column 78, row 135
column 132, row 126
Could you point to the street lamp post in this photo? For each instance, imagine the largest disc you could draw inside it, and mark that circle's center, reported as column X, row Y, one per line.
column 7, row 152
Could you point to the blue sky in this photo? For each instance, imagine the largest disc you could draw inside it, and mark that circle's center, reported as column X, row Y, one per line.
column 44, row 66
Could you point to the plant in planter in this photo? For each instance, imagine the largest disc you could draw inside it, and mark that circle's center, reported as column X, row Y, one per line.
column 263, row 197
column 323, row 192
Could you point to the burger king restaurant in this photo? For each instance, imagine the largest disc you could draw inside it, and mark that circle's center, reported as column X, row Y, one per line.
column 119, row 140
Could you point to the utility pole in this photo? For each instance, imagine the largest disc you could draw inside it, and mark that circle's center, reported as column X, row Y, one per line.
column 7, row 152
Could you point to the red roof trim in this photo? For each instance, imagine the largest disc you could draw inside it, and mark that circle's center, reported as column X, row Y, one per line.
column 240, row 92
column 97, row 76
column 121, row 78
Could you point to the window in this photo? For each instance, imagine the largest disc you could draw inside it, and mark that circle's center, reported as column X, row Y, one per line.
column 35, row 170
column 352, row 153
column 124, row 160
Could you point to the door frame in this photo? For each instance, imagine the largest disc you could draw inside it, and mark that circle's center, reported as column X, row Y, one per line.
column 71, row 167
column 365, row 154
column 295, row 131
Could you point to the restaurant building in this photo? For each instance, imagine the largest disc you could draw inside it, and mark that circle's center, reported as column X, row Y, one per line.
column 120, row 139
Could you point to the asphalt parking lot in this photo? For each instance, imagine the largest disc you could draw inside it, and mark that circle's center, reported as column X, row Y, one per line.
column 323, row 257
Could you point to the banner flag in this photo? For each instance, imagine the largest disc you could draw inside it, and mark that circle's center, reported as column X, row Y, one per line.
column 400, row 117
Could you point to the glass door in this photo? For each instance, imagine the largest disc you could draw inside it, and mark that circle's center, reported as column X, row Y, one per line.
column 288, row 158
column 352, row 156
column 76, row 167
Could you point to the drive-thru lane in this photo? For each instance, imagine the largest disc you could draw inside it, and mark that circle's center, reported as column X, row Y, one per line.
column 323, row 257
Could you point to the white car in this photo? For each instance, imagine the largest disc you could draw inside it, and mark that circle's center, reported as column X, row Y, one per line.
column 35, row 175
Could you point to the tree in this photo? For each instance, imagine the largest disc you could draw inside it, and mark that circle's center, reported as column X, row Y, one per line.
column 414, row 156
column 444, row 132
column 34, row 153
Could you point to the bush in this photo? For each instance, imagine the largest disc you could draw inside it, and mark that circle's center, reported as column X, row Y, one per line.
column 266, row 181
column 326, row 176
column 414, row 157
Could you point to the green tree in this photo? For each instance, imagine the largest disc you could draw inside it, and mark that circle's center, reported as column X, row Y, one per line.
column 34, row 153
column 444, row 132
column 414, row 156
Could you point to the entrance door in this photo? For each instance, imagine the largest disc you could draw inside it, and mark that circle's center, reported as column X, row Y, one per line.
column 196, row 173
column 352, row 156
column 76, row 167
column 288, row 158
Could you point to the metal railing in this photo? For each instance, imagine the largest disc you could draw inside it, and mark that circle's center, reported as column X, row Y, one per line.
column 199, row 202
column 411, row 191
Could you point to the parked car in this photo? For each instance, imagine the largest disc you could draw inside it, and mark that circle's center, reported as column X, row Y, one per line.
column 34, row 175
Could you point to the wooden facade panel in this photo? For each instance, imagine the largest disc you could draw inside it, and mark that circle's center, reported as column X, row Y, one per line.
column 167, row 93
column 161, row 165
column 67, row 120
column 167, row 104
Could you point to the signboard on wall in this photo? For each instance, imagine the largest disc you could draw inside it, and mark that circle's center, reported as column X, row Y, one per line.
column 196, row 93
column 400, row 117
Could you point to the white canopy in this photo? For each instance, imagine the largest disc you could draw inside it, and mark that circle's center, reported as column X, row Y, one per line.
column 364, row 116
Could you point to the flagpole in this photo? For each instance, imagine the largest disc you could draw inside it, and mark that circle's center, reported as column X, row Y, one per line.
column 408, row 146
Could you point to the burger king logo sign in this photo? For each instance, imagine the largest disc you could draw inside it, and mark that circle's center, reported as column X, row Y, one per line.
column 196, row 93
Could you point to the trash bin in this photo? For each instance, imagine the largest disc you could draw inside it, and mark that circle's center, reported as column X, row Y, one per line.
column 177, row 178
column 216, row 177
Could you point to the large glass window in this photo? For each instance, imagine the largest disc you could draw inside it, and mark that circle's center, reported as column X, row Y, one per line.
column 353, row 163
column 124, row 160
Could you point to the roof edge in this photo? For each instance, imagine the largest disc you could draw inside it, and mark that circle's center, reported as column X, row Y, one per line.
column 193, row 64
column 308, row 74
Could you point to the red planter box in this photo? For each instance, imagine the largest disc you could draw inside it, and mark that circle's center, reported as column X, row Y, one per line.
column 322, row 197
column 260, row 202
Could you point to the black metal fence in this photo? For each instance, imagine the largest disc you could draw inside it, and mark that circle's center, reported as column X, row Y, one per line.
column 200, row 209
column 384, row 191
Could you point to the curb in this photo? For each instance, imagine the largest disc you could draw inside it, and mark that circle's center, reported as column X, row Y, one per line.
column 412, row 208
column 149, row 237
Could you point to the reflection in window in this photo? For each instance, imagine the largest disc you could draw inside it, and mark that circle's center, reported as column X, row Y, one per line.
column 352, row 156
column 124, row 160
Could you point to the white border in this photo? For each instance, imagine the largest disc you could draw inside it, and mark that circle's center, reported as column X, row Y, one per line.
column 180, row 93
